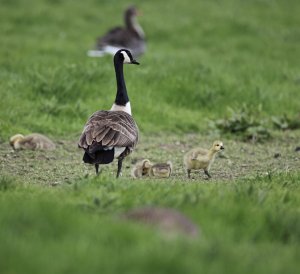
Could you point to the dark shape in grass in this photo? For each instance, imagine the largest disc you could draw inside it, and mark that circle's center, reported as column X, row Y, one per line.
column 277, row 155
column 167, row 220
column 285, row 122
column 7, row 183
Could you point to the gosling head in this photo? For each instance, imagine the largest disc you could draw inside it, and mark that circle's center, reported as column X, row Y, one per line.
column 14, row 140
column 146, row 164
column 124, row 56
column 217, row 146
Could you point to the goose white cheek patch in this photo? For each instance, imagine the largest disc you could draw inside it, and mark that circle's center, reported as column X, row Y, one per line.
column 126, row 57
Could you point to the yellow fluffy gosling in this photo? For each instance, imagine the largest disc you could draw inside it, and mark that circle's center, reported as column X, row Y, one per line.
column 162, row 170
column 141, row 169
column 32, row 141
column 199, row 158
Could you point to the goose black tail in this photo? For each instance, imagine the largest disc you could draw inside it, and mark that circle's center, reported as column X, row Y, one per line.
column 99, row 157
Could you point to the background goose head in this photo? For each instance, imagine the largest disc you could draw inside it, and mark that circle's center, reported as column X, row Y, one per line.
column 131, row 22
column 130, row 12
column 124, row 56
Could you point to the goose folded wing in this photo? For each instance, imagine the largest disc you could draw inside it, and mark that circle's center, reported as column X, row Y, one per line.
column 115, row 37
column 109, row 128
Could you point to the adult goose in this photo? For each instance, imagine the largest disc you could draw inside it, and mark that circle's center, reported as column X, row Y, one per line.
column 111, row 134
column 130, row 37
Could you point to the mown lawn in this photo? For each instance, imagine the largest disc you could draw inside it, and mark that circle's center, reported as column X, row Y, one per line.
column 203, row 57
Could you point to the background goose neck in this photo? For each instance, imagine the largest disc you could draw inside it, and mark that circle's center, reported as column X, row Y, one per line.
column 128, row 20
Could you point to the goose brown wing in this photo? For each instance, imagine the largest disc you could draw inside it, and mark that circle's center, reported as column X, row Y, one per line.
column 116, row 37
column 110, row 128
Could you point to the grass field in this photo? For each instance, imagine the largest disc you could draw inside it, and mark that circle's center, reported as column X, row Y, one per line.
column 203, row 57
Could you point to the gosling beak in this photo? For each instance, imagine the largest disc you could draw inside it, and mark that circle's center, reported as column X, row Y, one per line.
column 222, row 147
column 135, row 62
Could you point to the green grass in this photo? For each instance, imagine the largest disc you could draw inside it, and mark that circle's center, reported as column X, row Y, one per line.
column 203, row 57
column 63, row 230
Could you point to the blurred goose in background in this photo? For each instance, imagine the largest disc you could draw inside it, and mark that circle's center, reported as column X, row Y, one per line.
column 169, row 221
column 32, row 141
column 111, row 134
column 130, row 37
column 200, row 158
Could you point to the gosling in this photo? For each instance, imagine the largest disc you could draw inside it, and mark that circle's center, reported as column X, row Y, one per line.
column 199, row 158
column 32, row 141
column 141, row 169
column 162, row 170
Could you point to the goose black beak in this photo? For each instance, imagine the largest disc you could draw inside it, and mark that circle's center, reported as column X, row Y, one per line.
column 135, row 62
column 222, row 147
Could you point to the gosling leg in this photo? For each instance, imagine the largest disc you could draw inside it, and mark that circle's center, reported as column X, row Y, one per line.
column 188, row 173
column 120, row 161
column 206, row 172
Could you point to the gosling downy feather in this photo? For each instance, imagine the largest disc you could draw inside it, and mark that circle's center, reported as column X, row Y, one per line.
column 141, row 168
column 110, row 134
column 161, row 170
column 32, row 141
column 199, row 158
column 130, row 37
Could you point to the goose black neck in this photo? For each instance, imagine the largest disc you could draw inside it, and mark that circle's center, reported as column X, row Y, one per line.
column 122, row 96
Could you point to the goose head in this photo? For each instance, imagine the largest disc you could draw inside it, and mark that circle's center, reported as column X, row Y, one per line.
column 124, row 56
column 217, row 146
column 130, row 18
column 130, row 12
column 14, row 140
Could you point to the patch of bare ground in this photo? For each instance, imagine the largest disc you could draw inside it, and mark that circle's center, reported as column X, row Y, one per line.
column 239, row 160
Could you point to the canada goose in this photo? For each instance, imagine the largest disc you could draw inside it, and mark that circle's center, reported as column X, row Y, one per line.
column 199, row 158
column 130, row 37
column 166, row 220
column 32, row 141
column 162, row 170
column 141, row 169
column 113, row 133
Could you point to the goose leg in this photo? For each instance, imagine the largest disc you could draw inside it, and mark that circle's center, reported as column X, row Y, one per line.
column 206, row 172
column 120, row 160
column 97, row 169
